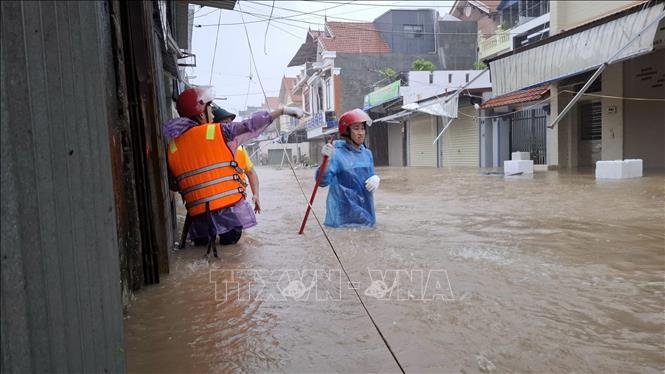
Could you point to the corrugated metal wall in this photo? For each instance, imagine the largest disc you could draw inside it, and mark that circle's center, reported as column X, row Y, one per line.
column 61, row 307
column 422, row 131
column 461, row 141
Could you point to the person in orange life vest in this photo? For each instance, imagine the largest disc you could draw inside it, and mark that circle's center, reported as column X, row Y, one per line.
column 223, row 116
column 202, row 166
column 249, row 176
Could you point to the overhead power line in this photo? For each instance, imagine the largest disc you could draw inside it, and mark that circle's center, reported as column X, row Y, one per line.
column 350, row 25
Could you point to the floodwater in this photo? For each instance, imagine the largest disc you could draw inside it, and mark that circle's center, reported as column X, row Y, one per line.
column 552, row 273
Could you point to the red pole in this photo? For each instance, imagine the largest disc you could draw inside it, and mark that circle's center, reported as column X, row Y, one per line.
column 322, row 170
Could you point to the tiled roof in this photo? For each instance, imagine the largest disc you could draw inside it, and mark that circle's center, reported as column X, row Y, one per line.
column 517, row 97
column 491, row 4
column 354, row 37
column 287, row 86
column 289, row 82
column 272, row 103
column 307, row 51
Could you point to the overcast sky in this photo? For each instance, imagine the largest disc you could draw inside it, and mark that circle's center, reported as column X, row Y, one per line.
column 272, row 52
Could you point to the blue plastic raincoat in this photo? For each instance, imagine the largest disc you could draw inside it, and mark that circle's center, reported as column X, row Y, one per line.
column 349, row 204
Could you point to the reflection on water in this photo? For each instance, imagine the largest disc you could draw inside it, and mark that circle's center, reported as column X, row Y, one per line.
column 551, row 273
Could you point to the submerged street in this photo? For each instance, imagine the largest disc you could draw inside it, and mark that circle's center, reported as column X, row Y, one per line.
column 552, row 273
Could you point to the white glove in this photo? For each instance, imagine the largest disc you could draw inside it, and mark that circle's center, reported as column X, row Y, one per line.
column 372, row 183
column 293, row 111
column 328, row 150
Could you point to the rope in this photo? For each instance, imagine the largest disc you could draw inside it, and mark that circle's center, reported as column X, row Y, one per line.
column 325, row 234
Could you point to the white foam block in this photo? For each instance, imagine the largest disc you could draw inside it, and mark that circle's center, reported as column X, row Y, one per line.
column 518, row 166
column 521, row 156
column 617, row 169
column 632, row 168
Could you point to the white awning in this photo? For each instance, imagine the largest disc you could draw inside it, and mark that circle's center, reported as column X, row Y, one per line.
column 392, row 117
column 576, row 53
column 437, row 106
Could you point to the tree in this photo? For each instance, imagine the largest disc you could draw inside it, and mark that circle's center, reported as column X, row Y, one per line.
column 423, row 65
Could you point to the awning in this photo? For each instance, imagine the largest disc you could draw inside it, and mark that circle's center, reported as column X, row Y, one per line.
column 505, row 4
column 436, row 107
column 392, row 117
column 220, row 4
column 575, row 53
column 518, row 97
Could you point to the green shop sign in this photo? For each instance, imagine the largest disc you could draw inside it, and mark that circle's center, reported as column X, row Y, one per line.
column 382, row 95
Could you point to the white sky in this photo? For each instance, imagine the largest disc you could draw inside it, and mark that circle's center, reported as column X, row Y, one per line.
column 232, row 63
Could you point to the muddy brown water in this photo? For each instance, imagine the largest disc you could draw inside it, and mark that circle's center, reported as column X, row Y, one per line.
column 552, row 273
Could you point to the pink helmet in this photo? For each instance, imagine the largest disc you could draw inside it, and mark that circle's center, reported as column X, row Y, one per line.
column 351, row 117
column 192, row 101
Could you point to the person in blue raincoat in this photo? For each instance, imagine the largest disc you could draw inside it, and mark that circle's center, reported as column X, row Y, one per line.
column 350, row 175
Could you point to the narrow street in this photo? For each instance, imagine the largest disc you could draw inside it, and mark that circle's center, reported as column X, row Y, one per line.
column 552, row 273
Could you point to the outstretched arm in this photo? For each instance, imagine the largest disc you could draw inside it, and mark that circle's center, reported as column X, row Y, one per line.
column 254, row 185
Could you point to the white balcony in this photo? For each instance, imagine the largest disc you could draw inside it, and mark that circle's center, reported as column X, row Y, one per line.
column 494, row 44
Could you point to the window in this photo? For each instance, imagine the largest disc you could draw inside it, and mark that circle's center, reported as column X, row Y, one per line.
column 312, row 102
column 413, row 31
column 450, row 78
column 467, row 77
column 319, row 99
column 590, row 113
column 328, row 95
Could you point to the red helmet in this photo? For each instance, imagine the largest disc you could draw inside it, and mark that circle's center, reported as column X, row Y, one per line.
column 192, row 101
column 351, row 117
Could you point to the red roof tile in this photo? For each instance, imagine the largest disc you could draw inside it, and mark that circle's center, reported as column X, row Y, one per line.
column 272, row 103
column 353, row 37
column 491, row 4
column 517, row 97
column 287, row 89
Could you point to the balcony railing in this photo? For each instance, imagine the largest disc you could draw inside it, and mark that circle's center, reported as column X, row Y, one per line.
column 494, row 44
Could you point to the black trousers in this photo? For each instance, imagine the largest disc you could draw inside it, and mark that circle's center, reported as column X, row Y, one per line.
column 226, row 238
column 230, row 237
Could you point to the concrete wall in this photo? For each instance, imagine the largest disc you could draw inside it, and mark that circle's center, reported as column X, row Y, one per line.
column 359, row 72
column 567, row 134
column 644, row 121
column 457, row 44
column 297, row 150
column 612, row 131
column 391, row 24
column 61, row 297
column 486, row 144
column 395, row 141
column 565, row 15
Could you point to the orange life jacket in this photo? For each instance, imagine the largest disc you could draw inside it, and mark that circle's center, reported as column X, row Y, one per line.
column 205, row 169
column 241, row 155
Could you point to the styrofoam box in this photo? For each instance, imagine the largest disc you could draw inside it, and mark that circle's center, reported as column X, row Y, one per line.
column 521, row 156
column 617, row 169
column 632, row 168
column 517, row 166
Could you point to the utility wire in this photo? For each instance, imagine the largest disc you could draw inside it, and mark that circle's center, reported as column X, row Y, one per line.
column 214, row 52
column 265, row 37
column 385, row 341
column 352, row 24
column 203, row 15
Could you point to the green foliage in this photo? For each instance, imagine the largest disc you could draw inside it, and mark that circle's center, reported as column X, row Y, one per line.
column 479, row 65
column 503, row 26
column 388, row 72
column 423, row 65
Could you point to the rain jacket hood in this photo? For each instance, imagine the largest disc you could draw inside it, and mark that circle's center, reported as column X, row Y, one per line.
column 349, row 204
